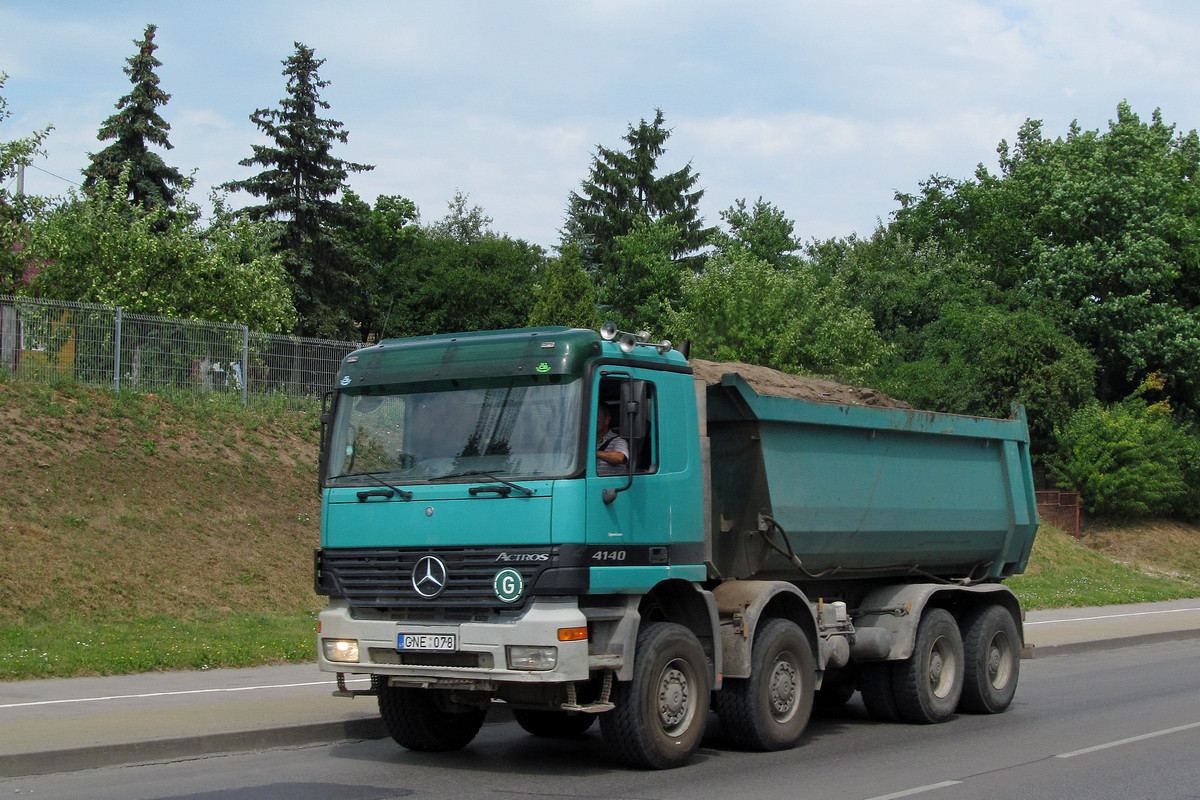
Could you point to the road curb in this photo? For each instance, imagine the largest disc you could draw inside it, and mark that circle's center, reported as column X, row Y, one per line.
column 1116, row 643
column 25, row 764
column 19, row 765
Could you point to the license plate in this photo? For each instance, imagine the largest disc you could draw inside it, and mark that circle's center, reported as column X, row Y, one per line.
column 427, row 641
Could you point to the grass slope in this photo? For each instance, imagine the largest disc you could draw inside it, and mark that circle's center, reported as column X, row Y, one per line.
column 1141, row 563
column 141, row 532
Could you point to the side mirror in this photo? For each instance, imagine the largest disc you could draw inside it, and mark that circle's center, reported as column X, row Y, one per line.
column 326, row 418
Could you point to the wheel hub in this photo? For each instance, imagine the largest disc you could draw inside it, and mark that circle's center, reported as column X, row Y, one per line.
column 782, row 689
column 999, row 663
column 673, row 697
column 942, row 668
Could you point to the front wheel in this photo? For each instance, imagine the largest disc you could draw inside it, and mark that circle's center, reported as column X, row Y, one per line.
column 929, row 683
column 770, row 709
column 992, row 658
column 660, row 715
column 426, row 719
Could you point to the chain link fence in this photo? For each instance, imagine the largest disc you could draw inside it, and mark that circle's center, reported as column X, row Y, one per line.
column 49, row 340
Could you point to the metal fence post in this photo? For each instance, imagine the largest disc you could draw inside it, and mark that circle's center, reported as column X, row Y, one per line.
column 117, row 353
column 245, row 360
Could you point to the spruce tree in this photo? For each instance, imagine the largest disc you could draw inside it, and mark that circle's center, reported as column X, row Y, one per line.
column 624, row 190
column 299, row 184
column 133, row 129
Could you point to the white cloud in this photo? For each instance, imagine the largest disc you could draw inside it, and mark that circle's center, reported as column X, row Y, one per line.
column 825, row 109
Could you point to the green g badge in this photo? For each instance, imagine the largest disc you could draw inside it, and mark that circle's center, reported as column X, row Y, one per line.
column 508, row 585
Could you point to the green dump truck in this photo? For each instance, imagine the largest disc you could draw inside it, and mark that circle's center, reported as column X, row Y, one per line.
column 751, row 553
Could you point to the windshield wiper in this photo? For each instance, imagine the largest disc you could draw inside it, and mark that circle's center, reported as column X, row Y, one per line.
column 375, row 477
column 524, row 489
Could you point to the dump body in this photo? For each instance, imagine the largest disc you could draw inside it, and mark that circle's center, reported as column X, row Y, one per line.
column 865, row 492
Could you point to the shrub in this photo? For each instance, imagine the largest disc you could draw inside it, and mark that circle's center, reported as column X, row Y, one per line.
column 1131, row 459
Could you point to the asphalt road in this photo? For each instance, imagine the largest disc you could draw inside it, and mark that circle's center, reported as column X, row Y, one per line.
column 1100, row 725
column 52, row 726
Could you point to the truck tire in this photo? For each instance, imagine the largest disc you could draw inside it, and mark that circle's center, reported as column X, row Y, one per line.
column 660, row 715
column 553, row 724
column 929, row 683
column 770, row 709
column 838, row 686
column 424, row 719
column 991, row 658
column 879, row 696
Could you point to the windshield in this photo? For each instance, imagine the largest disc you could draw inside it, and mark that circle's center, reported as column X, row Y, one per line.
column 510, row 431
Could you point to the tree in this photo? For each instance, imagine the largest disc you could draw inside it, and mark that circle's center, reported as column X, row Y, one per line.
column 903, row 286
column 135, row 127
column 466, row 225
column 743, row 309
column 643, row 278
column 101, row 248
column 565, row 294
column 763, row 231
column 385, row 238
column 1099, row 231
column 299, row 183
column 980, row 360
column 444, row 285
column 1129, row 459
column 15, row 210
column 623, row 191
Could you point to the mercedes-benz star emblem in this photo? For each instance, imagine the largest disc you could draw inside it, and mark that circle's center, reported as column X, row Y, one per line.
column 429, row 576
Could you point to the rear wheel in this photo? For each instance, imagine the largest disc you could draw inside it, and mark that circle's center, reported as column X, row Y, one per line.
column 553, row 724
column 878, row 694
column 770, row 709
column 426, row 719
column 660, row 715
column 992, row 660
column 837, row 687
column 929, row 683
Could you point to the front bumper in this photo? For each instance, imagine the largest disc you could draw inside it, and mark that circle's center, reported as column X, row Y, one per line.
column 481, row 660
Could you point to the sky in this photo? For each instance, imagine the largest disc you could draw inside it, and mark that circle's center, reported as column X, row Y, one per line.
column 824, row 108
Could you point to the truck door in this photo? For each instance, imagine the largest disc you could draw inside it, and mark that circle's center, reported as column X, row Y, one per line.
column 628, row 521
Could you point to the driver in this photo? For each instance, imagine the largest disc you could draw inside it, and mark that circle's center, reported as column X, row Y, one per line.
column 612, row 452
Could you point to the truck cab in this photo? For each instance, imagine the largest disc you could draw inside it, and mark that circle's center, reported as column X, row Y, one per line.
column 472, row 544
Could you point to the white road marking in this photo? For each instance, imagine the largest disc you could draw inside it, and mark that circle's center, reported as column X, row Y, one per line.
column 918, row 790
column 174, row 694
column 1111, row 616
column 1130, row 740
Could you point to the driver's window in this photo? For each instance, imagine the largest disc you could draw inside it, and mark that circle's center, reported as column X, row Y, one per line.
column 611, row 436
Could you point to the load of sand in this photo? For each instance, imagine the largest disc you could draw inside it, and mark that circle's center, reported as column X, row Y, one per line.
column 765, row 380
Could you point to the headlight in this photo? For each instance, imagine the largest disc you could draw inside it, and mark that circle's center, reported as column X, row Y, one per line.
column 345, row 650
column 532, row 658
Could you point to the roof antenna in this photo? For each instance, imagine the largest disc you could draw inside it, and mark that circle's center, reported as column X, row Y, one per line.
column 387, row 318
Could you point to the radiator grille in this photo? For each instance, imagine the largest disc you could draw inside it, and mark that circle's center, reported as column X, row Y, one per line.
column 379, row 582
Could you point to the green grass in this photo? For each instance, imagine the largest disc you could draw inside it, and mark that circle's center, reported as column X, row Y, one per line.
column 1063, row 572
column 89, row 646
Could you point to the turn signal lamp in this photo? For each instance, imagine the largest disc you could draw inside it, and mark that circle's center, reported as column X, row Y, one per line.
column 573, row 634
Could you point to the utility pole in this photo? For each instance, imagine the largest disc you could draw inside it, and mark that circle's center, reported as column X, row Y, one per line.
column 20, row 180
